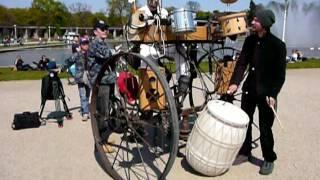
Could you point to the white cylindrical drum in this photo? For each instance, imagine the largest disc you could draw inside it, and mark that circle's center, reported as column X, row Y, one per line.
column 216, row 138
column 183, row 21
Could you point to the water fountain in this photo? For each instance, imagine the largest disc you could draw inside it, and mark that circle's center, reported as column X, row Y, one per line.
column 302, row 26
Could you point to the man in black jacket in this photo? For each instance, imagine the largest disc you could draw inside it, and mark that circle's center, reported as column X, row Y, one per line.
column 265, row 55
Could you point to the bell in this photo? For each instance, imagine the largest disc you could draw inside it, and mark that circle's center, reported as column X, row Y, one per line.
column 228, row 1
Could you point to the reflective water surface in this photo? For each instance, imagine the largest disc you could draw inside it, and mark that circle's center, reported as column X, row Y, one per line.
column 59, row 54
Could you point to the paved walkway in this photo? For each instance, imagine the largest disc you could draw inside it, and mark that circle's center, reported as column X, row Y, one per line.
column 67, row 153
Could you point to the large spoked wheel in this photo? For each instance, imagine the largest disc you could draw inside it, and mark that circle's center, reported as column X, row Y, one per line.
column 134, row 119
column 204, row 85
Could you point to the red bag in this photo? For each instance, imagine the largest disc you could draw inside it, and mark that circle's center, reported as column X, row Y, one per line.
column 128, row 86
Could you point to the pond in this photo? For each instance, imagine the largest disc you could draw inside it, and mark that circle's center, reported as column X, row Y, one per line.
column 59, row 54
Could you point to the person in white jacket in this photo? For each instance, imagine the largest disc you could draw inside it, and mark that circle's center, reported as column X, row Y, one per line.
column 153, row 12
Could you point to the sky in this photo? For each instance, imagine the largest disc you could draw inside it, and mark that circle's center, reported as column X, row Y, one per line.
column 100, row 5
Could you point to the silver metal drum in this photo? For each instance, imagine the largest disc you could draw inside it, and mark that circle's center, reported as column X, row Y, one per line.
column 183, row 21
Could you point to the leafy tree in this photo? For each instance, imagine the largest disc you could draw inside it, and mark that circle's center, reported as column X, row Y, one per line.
column 79, row 7
column 53, row 12
column 37, row 18
column 193, row 5
column 118, row 10
column 6, row 18
column 170, row 8
column 203, row 15
column 99, row 16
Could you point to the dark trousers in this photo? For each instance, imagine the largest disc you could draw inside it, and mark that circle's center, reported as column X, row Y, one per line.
column 266, row 118
column 103, row 104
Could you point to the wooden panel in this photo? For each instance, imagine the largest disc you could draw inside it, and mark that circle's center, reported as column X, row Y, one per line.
column 152, row 34
column 151, row 93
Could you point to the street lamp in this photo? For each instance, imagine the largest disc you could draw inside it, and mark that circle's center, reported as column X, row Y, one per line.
column 49, row 37
column 15, row 32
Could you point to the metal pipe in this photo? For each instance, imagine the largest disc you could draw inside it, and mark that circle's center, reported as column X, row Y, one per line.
column 15, row 33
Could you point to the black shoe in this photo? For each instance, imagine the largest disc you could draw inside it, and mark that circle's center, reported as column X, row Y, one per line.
column 266, row 168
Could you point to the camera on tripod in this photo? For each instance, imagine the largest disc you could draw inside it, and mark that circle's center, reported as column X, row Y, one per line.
column 52, row 89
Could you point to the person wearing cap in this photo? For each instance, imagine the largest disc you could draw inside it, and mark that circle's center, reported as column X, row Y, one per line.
column 99, row 50
column 265, row 55
column 80, row 59
column 75, row 47
column 151, row 12
column 99, row 53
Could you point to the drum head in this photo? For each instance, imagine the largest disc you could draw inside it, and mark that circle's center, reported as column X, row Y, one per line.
column 135, row 21
column 228, row 113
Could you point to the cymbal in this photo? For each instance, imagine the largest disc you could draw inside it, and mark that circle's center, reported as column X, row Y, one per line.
column 228, row 1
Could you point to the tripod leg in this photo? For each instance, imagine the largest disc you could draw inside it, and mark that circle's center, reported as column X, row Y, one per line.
column 66, row 109
column 58, row 109
column 42, row 107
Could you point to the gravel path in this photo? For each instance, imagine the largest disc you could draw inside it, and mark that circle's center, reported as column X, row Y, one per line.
column 67, row 153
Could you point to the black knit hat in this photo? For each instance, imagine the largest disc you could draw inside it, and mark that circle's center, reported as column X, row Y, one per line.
column 266, row 17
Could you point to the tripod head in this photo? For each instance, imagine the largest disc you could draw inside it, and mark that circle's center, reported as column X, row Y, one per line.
column 53, row 75
column 52, row 87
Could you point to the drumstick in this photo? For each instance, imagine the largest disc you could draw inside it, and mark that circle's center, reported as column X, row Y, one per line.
column 275, row 113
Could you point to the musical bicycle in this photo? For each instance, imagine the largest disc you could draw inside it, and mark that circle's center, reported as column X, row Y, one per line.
column 135, row 117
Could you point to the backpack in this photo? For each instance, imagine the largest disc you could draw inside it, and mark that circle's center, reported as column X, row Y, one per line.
column 26, row 120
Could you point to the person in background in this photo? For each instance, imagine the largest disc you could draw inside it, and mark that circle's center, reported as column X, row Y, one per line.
column 75, row 47
column 80, row 59
column 20, row 66
column 294, row 56
column 43, row 63
column 300, row 55
column 99, row 53
column 265, row 55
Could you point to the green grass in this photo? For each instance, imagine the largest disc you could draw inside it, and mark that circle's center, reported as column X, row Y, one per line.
column 6, row 74
column 311, row 63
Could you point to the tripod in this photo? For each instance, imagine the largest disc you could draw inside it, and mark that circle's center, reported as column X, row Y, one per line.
column 52, row 89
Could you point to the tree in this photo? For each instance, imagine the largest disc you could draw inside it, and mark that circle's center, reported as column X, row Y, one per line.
column 203, row 15
column 79, row 7
column 118, row 9
column 170, row 8
column 52, row 12
column 20, row 15
column 6, row 18
column 193, row 5
column 81, row 14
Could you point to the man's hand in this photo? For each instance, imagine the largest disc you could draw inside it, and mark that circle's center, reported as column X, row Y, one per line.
column 271, row 101
column 232, row 89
